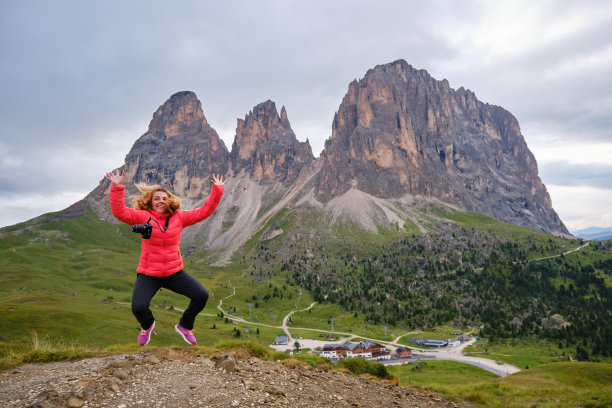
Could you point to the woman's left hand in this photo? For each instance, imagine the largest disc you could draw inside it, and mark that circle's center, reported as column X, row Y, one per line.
column 218, row 180
column 115, row 177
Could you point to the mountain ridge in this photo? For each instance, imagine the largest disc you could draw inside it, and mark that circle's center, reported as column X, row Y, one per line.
column 594, row 233
column 400, row 141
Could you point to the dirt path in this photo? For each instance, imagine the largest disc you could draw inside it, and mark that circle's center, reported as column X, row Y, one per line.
column 564, row 253
column 226, row 297
column 286, row 320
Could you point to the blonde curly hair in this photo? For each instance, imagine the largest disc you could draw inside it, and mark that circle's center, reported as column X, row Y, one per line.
column 144, row 201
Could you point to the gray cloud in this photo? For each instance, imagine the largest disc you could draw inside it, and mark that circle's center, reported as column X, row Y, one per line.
column 577, row 175
column 81, row 80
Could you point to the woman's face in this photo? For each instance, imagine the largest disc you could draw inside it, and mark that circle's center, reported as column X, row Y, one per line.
column 159, row 200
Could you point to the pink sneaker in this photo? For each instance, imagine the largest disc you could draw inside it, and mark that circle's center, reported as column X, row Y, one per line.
column 187, row 335
column 145, row 335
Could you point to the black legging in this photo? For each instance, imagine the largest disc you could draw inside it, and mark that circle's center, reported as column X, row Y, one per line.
column 180, row 282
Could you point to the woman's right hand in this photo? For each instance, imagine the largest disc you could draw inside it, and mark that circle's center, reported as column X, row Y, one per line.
column 115, row 177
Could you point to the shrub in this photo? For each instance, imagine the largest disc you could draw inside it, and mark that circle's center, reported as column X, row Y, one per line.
column 360, row 366
column 313, row 361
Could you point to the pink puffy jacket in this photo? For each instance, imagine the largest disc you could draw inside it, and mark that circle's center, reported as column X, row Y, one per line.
column 160, row 255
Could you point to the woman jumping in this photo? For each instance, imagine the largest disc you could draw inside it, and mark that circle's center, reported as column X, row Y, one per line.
column 161, row 264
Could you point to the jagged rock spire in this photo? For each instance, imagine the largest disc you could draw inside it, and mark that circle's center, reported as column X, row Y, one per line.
column 266, row 146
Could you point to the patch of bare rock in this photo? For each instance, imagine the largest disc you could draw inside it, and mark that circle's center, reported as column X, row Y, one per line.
column 184, row 378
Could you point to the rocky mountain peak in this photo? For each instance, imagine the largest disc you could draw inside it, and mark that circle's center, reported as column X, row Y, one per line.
column 266, row 114
column 179, row 114
column 400, row 132
column 266, row 146
column 180, row 150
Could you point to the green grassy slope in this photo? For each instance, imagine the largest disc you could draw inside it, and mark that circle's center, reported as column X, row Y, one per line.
column 67, row 284
column 553, row 385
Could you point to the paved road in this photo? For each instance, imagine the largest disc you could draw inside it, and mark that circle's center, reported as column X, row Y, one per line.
column 456, row 354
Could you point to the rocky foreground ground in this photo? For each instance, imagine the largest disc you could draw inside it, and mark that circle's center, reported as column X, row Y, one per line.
column 169, row 378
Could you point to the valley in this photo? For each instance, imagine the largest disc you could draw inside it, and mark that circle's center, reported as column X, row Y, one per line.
column 424, row 214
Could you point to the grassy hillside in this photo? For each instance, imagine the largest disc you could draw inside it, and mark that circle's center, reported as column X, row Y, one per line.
column 68, row 283
column 464, row 275
column 469, row 272
column 550, row 385
column 65, row 292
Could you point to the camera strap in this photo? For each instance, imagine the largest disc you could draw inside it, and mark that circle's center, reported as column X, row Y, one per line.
column 165, row 223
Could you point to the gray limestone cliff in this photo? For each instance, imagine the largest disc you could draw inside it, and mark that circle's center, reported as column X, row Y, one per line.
column 266, row 146
column 399, row 131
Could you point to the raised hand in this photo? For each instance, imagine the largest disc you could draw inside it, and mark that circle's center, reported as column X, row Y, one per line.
column 115, row 177
column 218, row 179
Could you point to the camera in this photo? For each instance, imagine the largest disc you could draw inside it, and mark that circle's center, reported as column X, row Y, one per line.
column 143, row 229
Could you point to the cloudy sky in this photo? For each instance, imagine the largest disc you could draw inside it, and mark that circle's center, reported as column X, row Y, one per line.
column 81, row 80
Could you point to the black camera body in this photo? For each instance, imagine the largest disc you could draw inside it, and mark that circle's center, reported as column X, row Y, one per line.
column 143, row 229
